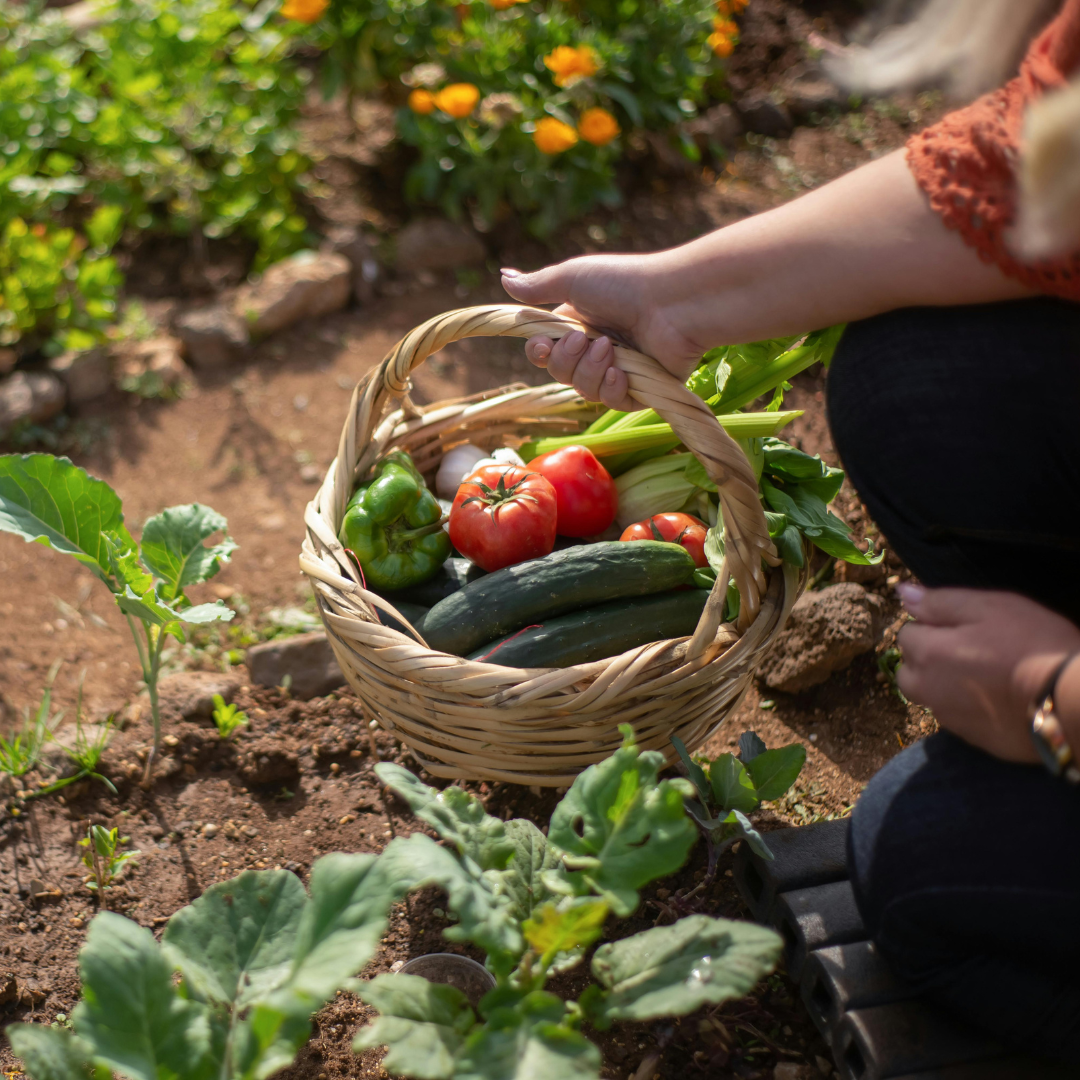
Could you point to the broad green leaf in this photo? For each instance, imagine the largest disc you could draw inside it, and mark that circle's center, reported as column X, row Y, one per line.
column 528, row 1041
column 695, row 474
column 673, row 970
column 49, row 1053
column 150, row 609
column 732, row 787
column 173, row 546
column 774, row 771
column 750, row 746
column 621, row 828
column 206, row 613
column 237, row 941
column 738, row 827
column 268, row 1037
column 522, row 880
column 567, row 927
column 693, row 769
column 50, row 501
column 130, row 1013
column 422, row 1024
column 714, row 546
column 455, row 815
column 485, row 916
column 808, row 512
column 342, row 924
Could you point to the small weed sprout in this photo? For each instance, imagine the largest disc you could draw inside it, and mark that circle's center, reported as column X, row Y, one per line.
column 227, row 718
column 105, row 859
column 20, row 753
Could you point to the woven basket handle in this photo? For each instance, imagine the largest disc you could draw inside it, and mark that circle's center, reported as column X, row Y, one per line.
column 747, row 534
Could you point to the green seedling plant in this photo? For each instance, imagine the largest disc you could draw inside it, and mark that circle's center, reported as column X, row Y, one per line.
column 227, row 718
column 735, row 787
column 50, row 501
column 105, row 858
column 22, row 751
column 255, row 956
column 534, row 904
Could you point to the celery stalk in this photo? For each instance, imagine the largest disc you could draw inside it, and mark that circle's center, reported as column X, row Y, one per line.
column 606, row 443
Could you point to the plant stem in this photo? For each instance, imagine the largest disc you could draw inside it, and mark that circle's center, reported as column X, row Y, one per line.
column 150, row 659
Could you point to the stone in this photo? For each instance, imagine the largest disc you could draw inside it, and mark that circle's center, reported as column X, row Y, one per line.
column 213, row 336
column 190, row 694
column 156, row 358
column 306, row 658
column 267, row 761
column 32, row 396
column 437, row 244
column 86, row 373
column 718, row 126
column 366, row 272
column 303, row 286
column 807, row 93
column 826, row 631
column 763, row 116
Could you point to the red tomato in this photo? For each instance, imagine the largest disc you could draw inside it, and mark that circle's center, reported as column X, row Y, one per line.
column 583, row 487
column 675, row 529
column 502, row 515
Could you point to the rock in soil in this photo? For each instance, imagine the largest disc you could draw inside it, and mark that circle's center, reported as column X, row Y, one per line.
column 718, row 126
column 267, row 761
column 213, row 336
column 808, row 92
column 761, row 115
column 351, row 242
column 86, row 374
column 190, row 694
column 305, row 285
column 826, row 631
column 159, row 356
column 29, row 395
column 437, row 244
column 306, row 658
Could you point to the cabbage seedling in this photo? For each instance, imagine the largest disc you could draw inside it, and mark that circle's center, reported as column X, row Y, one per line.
column 227, row 718
column 105, row 858
column 50, row 501
column 534, row 904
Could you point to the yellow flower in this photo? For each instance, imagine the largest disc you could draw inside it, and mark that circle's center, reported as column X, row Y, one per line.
column 422, row 101
column 570, row 64
column 725, row 26
column 502, row 5
column 305, row 11
column 597, row 126
column 458, row 99
column 721, row 44
column 553, row 136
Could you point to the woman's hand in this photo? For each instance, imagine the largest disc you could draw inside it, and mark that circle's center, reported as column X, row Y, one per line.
column 977, row 659
column 866, row 243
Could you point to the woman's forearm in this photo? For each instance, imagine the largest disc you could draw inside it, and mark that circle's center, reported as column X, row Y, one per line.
column 866, row 243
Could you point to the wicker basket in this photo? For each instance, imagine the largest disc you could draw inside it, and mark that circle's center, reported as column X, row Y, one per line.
column 537, row 726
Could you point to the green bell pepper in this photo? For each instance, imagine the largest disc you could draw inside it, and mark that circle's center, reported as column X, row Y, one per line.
column 393, row 525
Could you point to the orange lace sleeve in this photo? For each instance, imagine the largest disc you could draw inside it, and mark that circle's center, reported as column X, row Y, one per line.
column 966, row 163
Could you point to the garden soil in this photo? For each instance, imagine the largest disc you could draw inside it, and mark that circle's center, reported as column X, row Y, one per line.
column 298, row 781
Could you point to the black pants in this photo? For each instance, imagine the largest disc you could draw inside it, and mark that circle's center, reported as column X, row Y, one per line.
column 958, row 428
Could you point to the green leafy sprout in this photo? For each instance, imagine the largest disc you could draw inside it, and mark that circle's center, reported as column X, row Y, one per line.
column 227, row 718
column 735, row 787
column 22, row 751
column 256, row 956
column 105, row 858
column 50, row 501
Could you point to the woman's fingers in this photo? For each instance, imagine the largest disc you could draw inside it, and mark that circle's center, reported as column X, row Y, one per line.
column 614, row 391
column 538, row 350
column 565, row 354
column 586, row 365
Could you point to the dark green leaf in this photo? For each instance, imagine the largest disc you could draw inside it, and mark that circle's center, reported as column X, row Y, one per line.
column 732, row 787
column 695, row 474
column 673, row 970
column 741, row 829
column 173, row 546
column 130, row 1014
column 789, row 546
column 237, row 941
column 714, row 546
column 522, row 880
column 52, row 502
column 422, row 1024
column 774, row 771
column 49, row 1053
column 621, row 828
column 750, row 746
column 809, row 513
column 529, row 1041
column 693, row 769
column 455, row 815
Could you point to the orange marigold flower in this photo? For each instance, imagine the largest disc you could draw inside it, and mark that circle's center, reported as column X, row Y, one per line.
column 570, row 63
column 721, row 44
column 725, row 26
column 731, row 7
column 422, row 101
column 553, row 136
column 502, row 5
column 458, row 99
column 597, row 126
column 305, row 11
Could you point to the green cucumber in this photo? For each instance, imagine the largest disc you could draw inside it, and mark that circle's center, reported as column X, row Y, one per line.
column 600, row 631
column 454, row 574
column 540, row 589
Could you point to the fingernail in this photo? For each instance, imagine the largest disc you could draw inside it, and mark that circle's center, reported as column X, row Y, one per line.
column 575, row 341
column 609, row 376
column 541, row 352
column 910, row 593
column 509, row 271
column 599, row 353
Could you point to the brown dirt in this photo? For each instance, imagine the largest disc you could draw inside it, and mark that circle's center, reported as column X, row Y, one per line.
column 238, row 441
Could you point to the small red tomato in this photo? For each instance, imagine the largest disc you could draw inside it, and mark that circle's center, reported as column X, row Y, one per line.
column 675, row 529
column 583, row 487
column 503, row 515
